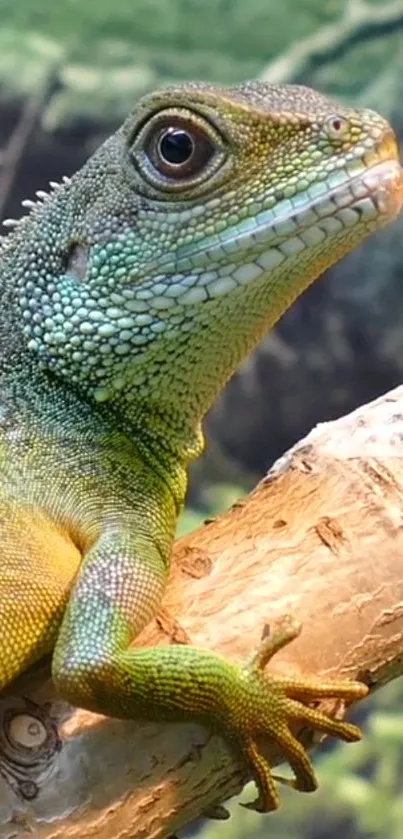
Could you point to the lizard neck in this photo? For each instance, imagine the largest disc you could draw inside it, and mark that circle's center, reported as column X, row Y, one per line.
column 47, row 408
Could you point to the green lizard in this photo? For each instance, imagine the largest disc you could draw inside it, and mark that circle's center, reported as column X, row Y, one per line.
column 129, row 296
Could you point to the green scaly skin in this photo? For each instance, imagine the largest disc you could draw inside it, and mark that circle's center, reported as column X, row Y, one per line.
column 129, row 296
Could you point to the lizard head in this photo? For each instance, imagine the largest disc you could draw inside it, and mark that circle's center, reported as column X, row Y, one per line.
column 152, row 273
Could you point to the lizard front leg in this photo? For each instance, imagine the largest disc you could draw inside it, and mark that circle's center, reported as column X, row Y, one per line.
column 119, row 588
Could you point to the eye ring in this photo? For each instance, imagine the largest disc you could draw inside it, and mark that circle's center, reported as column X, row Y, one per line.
column 337, row 127
column 177, row 149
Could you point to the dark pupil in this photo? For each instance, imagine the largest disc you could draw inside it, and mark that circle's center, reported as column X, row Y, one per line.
column 176, row 146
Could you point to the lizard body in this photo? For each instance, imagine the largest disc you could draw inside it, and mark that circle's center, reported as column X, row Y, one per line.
column 129, row 296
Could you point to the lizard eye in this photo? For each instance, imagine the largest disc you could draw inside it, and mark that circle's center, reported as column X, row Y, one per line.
column 177, row 149
column 175, row 146
column 179, row 152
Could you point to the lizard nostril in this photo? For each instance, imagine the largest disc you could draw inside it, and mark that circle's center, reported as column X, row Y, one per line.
column 77, row 260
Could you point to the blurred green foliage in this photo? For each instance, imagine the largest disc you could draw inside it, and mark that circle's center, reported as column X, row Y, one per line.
column 104, row 55
column 229, row 26
column 224, row 39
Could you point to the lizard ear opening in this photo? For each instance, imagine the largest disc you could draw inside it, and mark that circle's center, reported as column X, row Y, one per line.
column 76, row 260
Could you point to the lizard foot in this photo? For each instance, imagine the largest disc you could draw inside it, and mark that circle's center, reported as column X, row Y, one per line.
column 271, row 704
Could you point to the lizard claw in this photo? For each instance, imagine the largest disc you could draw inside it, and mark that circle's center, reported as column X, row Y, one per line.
column 274, row 705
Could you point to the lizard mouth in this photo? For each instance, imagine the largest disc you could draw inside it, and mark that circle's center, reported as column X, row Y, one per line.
column 345, row 208
column 374, row 196
column 384, row 182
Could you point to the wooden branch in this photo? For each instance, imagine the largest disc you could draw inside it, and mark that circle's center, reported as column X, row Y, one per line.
column 361, row 21
column 321, row 537
column 12, row 155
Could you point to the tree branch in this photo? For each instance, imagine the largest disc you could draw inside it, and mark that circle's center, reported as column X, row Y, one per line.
column 361, row 21
column 12, row 155
column 321, row 537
